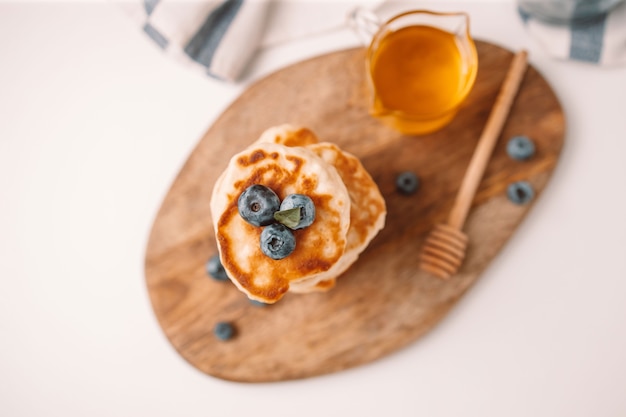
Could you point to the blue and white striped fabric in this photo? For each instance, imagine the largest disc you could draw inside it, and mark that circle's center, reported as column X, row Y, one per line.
column 218, row 37
column 601, row 41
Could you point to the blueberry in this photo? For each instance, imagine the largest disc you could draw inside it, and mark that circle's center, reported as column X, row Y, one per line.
column 215, row 269
column 520, row 192
column 307, row 209
column 277, row 241
column 257, row 205
column 407, row 182
column 520, row 148
column 224, row 330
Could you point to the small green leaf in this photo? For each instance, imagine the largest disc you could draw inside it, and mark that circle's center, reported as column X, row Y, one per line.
column 289, row 218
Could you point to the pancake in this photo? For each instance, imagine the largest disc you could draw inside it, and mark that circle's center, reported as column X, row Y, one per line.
column 286, row 170
column 288, row 135
column 367, row 206
column 367, row 213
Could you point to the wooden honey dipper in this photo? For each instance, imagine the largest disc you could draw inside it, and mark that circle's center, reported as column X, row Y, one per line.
column 444, row 249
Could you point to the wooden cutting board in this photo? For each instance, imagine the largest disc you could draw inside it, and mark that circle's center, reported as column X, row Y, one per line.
column 383, row 302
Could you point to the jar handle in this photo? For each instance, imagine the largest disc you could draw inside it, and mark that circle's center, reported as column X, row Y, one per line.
column 365, row 23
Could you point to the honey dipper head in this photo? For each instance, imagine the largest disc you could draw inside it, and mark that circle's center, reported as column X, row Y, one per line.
column 443, row 251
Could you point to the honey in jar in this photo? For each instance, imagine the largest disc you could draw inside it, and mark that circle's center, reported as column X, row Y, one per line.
column 420, row 73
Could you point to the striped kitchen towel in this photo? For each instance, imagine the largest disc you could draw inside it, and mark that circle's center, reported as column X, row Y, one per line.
column 600, row 41
column 217, row 37
column 220, row 37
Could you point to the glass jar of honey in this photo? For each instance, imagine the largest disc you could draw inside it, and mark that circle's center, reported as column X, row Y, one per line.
column 421, row 65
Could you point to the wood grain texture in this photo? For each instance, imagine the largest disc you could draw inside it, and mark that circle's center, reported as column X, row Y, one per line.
column 384, row 302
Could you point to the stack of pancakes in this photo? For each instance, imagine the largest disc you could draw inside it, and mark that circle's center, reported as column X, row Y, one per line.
column 349, row 212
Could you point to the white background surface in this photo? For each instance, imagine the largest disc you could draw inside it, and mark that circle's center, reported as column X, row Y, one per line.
column 94, row 125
